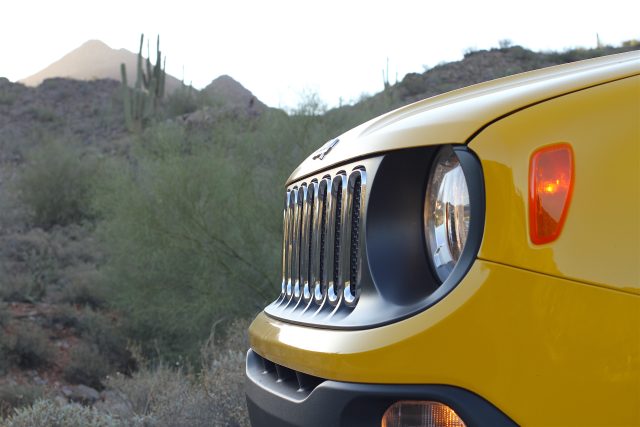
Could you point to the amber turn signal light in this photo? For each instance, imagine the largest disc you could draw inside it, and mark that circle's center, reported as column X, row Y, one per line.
column 551, row 177
column 420, row 413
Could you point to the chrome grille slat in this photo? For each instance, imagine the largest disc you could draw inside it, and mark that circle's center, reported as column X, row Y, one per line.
column 310, row 205
column 322, row 244
column 285, row 244
column 319, row 289
column 339, row 195
column 329, row 231
column 292, row 256
column 301, row 239
column 352, row 261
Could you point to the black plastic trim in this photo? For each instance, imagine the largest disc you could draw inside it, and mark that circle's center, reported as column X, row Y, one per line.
column 334, row 403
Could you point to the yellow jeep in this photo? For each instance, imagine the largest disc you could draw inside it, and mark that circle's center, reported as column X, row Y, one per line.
column 470, row 259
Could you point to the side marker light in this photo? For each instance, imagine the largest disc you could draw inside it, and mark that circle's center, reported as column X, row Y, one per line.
column 551, row 179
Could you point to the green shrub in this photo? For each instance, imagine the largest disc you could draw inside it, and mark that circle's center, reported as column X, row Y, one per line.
column 5, row 314
column 48, row 413
column 30, row 347
column 6, row 344
column 87, row 366
column 84, row 289
column 23, row 288
column 184, row 241
column 43, row 114
column 8, row 99
column 18, row 395
column 183, row 100
column 64, row 316
column 29, row 266
column 105, row 336
column 56, row 184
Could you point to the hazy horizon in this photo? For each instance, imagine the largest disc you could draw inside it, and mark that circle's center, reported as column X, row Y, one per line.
column 284, row 49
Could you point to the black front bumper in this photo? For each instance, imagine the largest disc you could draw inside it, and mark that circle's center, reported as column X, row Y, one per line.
column 277, row 396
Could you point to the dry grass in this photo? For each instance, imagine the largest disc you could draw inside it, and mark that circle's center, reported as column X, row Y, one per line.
column 13, row 396
column 176, row 396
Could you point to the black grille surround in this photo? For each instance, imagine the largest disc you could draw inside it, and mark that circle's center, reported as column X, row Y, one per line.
column 354, row 254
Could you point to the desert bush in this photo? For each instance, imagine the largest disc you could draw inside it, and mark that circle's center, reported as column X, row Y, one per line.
column 7, row 99
column 63, row 316
column 163, row 395
column 23, row 288
column 75, row 245
column 30, row 347
column 222, row 375
column 6, row 344
column 5, row 315
column 56, row 184
column 13, row 396
column 48, row 413
column 29, row 266
column 183, row 100
column 183, row 240
column 106, row 336
column 84, row 289
column 43, row 114
column 87, row 365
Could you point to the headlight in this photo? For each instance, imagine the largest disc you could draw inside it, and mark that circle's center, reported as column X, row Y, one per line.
column 447, row 212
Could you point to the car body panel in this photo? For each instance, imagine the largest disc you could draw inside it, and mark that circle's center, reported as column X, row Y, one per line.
column 605, row 206
column 456, row 116
column 549, row 334
column 515, row 337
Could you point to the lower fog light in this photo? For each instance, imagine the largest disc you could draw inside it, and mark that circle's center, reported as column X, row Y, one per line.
column 414, row 413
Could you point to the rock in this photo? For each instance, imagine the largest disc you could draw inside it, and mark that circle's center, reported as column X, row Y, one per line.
column 115, row 403
column 66, row 390
column 60, row 400
column 83, row 394
column 39, row 380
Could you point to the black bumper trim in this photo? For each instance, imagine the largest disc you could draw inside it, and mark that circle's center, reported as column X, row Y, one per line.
column 333, row 403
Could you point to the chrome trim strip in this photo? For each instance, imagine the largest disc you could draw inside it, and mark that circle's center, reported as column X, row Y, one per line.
column 320, row 227
column 312, row 237
column 292, row 243
column 304, row 243
column 297, row 214
column 285, row 244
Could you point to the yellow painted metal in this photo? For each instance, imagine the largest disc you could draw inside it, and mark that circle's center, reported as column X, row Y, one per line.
column 549, row 334
column 455, row 116
column 600, row 241
column 545, row 350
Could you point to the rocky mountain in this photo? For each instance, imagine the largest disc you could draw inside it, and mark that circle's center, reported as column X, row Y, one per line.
column 225, row 98
column 484, row 65
column 94, row 60
column 231, row 93
column 90, row 112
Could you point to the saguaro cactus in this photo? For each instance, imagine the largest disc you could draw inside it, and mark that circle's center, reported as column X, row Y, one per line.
column 141, row 101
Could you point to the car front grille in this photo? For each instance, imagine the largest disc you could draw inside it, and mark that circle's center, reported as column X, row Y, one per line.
column 321, row 252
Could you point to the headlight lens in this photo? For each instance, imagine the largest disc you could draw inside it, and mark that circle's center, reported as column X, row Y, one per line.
column 446, row 212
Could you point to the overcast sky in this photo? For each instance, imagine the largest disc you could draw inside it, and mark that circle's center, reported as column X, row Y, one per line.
column 281, row 50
